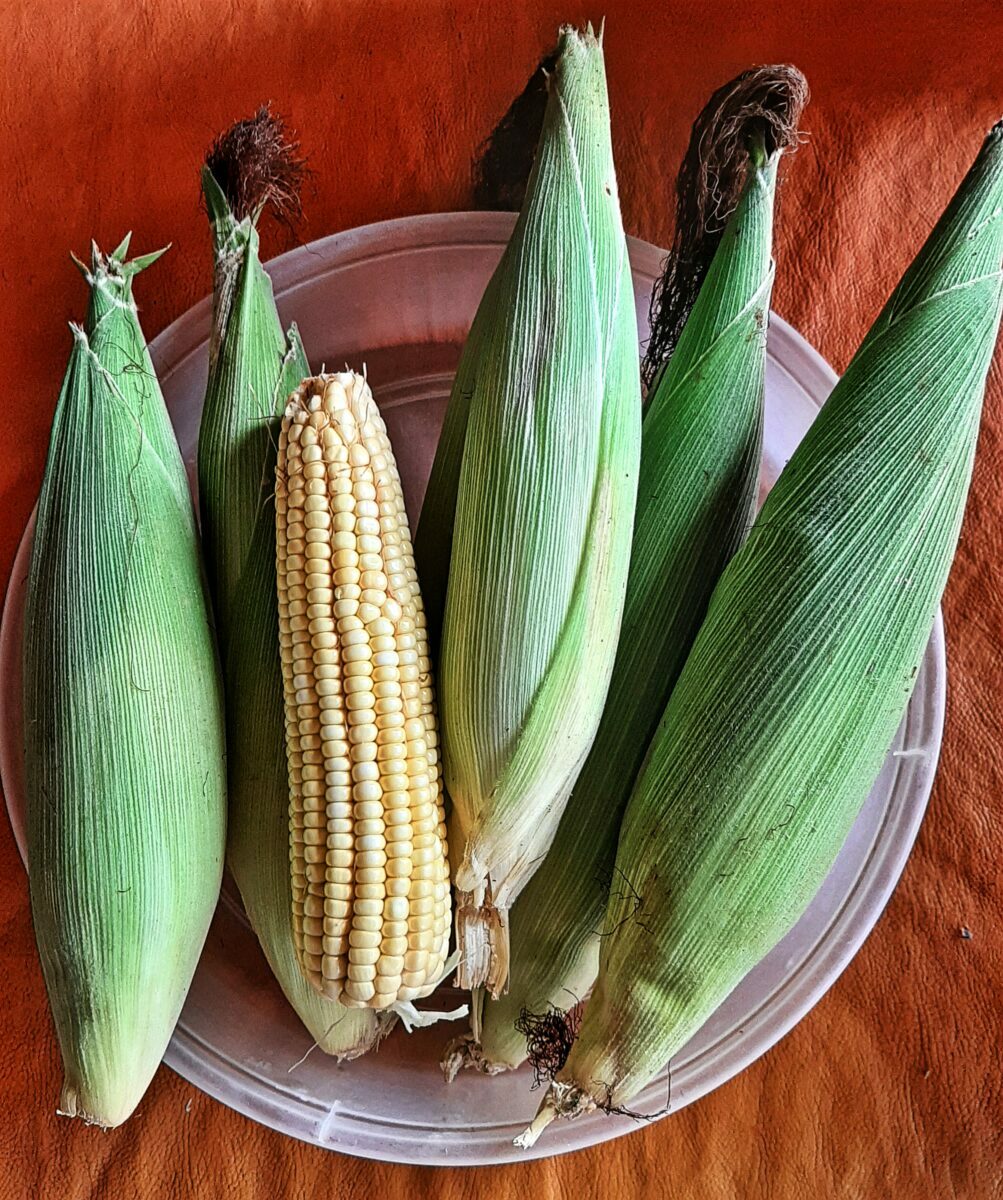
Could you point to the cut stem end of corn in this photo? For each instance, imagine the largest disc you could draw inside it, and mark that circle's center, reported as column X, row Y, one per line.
column 563, row 1100
column 72, row 1104
column 464, row 1053
column 482, row 936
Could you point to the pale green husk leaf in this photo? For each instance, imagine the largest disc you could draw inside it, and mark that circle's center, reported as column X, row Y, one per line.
column 700, row 450
column 124, row 737
column 801, row 672
column 258, row 833
column 544, row 505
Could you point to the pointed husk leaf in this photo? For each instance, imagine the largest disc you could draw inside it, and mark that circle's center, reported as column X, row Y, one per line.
column 251, row 362
column 543, row 513
column 124, row 738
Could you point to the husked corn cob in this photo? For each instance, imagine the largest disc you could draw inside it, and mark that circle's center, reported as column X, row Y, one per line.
column 801, row 671
column 371, row 907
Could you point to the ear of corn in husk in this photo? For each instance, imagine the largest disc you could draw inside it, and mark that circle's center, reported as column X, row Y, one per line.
column 370, row 874
column 253, row 363
column 501, row 175
column 550, row 400
column 124, row 745
column 700, row 451
column 254, row 366
column 801, row 672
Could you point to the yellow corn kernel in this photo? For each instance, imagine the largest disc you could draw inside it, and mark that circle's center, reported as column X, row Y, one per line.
column 371, row 913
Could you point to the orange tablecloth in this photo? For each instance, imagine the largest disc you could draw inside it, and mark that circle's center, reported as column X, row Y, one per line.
column 892, row 1085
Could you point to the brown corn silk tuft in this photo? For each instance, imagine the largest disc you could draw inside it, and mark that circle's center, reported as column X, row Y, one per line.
column 549, row 1038
column 768, row 100
column 258, row 164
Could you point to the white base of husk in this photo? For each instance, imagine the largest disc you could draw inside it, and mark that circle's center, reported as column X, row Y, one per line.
column 69, row 1106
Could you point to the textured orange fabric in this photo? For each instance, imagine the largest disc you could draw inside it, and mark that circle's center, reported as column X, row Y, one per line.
column 892, row 1085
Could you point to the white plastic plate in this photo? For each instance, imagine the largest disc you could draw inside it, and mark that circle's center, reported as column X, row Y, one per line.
column 399, row 297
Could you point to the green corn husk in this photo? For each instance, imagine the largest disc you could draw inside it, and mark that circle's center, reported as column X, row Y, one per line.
column 544, row 505
column 124, row 745
column 254, row 366
column 701, row 445
column 802, row 670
